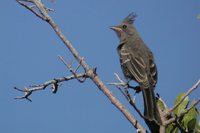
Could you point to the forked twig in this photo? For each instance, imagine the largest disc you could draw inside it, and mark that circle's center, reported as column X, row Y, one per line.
column 55, row 84
column 27, row 93
column 31, row 8
column 69, row 66
column 126, row 93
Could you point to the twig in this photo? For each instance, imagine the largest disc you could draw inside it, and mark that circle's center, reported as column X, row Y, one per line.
column 27, row 93
column 181, row 128
column 121, row 83
column 69, row 66
column 31, row 8
column 50, row 9
column 120, row 79
column 55, row 84
column 123, row 93
column 173, row 119
column 131, row 101
column 195, row 86
column 126, row 94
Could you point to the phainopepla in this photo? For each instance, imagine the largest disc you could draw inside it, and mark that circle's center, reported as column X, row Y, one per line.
column 137, row 63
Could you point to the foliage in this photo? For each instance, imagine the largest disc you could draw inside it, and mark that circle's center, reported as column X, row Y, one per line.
column 188, row 122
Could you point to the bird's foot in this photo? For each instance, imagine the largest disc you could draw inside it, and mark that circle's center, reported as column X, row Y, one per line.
column 136, row 88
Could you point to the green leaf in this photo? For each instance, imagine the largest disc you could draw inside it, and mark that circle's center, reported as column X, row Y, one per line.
column 190, row 120
column 161, row 104
column 183, row 105
column 171, row 128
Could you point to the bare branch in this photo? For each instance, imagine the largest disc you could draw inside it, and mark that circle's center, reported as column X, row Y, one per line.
column 132, row 102
column 120, row 79
column 126, row 94
column 91, row 73
column 31, row 8
column 27, row 93
column 69, row 66
column 50, row 9
column 123, row 84
column 194, row 87
column 55, row 84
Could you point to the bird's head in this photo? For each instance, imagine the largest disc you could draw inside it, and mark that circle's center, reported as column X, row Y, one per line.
column 125, row 29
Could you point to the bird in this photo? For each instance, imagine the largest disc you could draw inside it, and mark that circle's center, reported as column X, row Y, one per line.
column 138, row 64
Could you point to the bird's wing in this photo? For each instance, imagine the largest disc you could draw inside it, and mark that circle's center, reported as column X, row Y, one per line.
column 137, row 67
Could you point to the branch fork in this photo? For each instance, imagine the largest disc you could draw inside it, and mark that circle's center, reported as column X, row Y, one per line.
column 36, row 4
column 73, row 71
column 125, row 92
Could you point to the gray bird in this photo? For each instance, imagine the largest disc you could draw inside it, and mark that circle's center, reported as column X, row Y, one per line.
column 137, row 63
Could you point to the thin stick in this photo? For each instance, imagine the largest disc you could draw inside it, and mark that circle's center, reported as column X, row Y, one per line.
column 55, row 82
column 173, row 119
column 194, row 87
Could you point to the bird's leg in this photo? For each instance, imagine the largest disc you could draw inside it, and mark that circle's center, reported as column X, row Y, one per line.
column 136, row 88
column 125, row 92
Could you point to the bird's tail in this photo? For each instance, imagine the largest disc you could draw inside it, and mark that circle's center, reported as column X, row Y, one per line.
column 151, row 113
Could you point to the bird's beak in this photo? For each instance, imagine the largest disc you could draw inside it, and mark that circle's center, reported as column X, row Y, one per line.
column 116, row 29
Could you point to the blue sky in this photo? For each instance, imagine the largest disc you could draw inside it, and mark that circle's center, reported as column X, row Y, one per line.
column 29, row 55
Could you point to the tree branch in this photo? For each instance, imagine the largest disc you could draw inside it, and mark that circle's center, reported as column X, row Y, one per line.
column 126, row 94
column 194, row 87
column 89, row 72
column 31, row 8
column 173, row 119
column 69, row 66
column 55, row 84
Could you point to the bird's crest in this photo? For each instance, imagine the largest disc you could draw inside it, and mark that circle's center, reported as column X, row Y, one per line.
column 130, row 18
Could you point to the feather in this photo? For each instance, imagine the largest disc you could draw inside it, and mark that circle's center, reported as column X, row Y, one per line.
column 130, row 18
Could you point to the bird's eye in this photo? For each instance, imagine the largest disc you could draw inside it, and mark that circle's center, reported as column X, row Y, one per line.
column 124, row 26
